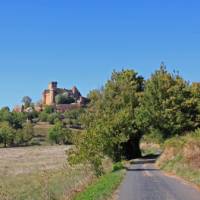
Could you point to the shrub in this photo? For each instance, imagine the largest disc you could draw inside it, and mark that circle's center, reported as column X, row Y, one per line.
column 64, row 99
column 43, row 116
column 53, row 118
column 118, row 166
column 59, row 134
column 49, row 109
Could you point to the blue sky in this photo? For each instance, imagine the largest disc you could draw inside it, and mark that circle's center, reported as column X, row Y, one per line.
column 80, row 42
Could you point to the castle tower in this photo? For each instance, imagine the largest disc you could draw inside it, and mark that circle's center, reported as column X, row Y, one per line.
column 52, row 92
column 76, row 93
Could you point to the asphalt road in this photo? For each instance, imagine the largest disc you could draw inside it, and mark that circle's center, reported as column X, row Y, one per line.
column 144, row 182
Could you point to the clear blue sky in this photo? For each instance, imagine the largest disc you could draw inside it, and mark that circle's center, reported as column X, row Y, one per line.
column 80, row 42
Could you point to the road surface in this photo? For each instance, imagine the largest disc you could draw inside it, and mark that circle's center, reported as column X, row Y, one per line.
column 144, row 182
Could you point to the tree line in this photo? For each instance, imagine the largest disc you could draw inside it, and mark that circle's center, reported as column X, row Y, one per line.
column 17, row 128
column 14, row 130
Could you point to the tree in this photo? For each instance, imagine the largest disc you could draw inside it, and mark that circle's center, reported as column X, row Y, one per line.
column 53, row 118
column 5, row 109
column 59, row 134
column 43, row 116
column 5, row 115
column 6, row 134
column 24, row 135
column 168, row 107
column 18, row 119
column 74, row 116
column 28, row 131
column 64, row 99
column 49, row 109
column 27, row 101
column 110, row 121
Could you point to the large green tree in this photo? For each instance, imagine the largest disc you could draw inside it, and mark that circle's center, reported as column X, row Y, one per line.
column 168, row 106
column 110, row 123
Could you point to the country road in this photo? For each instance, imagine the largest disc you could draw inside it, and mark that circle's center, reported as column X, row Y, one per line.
column 144, row 181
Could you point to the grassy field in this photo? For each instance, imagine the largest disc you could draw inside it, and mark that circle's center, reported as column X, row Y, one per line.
column 39, row 173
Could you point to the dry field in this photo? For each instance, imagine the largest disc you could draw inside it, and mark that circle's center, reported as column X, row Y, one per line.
column 16, row 161
column 39, row 173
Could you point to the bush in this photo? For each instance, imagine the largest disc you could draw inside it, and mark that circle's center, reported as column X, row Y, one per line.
column 64, row 99
column 59, row 134
column 7, row 134
column 53, row 118
column 118, row 166
column 49, row 109
column 43, row 116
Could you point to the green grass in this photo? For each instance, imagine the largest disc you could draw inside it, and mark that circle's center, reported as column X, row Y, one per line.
column 103, row 188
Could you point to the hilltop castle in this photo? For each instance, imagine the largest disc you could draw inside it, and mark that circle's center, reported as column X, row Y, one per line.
column 60, row 99
column 49, row 97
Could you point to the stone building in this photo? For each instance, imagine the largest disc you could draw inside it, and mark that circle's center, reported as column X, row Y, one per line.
column 49, row 95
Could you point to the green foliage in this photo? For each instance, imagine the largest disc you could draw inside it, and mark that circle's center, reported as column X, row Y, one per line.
column 168, row 105
column 6, row 115
column 53, row 118
column 73, row 117
column 28, row 131
column 110, row 121
column 6, row 134
column 118, row 166
column 59, row 134
column 102, row 188
column 64, row 99
column 43, row 116
column 13, row 128
column 154, row 136
column 27, row 101
column 24, row 135
column 49, row 109
column 5, row 109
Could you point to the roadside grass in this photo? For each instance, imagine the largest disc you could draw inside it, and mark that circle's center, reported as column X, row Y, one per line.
column 103, row 187
column 180, row 168
column 181, row 156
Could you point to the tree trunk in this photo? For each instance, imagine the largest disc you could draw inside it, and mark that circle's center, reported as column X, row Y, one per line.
column 132, row 148
column 5, row 143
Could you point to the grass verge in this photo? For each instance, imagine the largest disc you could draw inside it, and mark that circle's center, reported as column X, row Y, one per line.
column 181, row 156
column 103, row 187
column 179, row 167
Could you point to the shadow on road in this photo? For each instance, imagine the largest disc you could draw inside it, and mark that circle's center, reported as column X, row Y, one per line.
column 149, row 159
column 141, row 169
